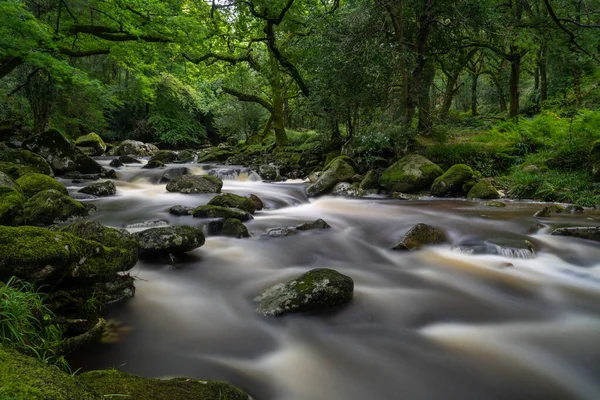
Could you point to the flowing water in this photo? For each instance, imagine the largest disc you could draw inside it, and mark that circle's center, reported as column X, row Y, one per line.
column 432, row 324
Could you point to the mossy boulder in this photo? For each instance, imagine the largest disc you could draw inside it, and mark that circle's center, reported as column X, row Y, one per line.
column 370, row 183
column 92, row 141
column 506, row 247
column 17, row 163
column 7, row 181
column 186, row 156
column 216, row 155
column 195, row 184
column 135, row 148
column 589, row 232
column 419, row 236
column 180, row 210
column 153, row 164
column 318, row 224
column 129, row 159
column 231, row 200
column 49, row 206
column 38, row 254
column 11, row 206
column 339, row 170
column 314, row 290
column 25, row 378
column 164, row 156
column 119, row 239
column 235, row 228
column 61, row 154
column 452, row 181
column 410, row 174
column 483, row 190
column 210, row 211
column 347, row 190
column 100, row 189
column 268, row 173
column 34, row 183
column 258, row 203
column 173, row 173
column 168, row 240
column 112, row 382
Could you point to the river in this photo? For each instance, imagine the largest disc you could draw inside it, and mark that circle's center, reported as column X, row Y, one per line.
column 431, row 324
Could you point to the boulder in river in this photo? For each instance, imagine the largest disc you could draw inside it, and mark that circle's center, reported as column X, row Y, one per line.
column 208, row 211
column 410, row 174
column 129, row 159
column 279, row 232
column 483, row 190
column 258, row 203
column 195, row 184
column 100, row 189
column 314, row 290
column 420, row 235
column 173, row 239
column 152, row 223
column 370, row 183
column 16, row 163
column 115, row 163
column 493, row 203
column 49, row 206
column 457, row 180
column 173, row 173
column 135, row 148
column 92, row 141
column 153, row 164
column 231, row 200
column 586, row 232
column 318, row 224
column 180, row 210
column 268, row 173
column 235, row 228
column 61, row 154
column 338, row 171
column 31, row 184
column 164, row 156
column 347, row 190
column 549, row 210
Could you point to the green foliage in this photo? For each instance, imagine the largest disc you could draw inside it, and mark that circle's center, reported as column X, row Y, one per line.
column 26, row 324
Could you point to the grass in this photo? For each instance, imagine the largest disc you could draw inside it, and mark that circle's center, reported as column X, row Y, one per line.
column 26, row 323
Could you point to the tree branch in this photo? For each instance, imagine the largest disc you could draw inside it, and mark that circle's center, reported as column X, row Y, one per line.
column 115, row 35
column 249, row 98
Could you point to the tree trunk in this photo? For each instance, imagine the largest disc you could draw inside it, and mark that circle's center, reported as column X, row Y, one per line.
column 279, row 122
column 543, row 69
column 515, row 71
column 449, row 94
column 577, row 85
column 474, row 80
column 425, row 120
column 40, row 93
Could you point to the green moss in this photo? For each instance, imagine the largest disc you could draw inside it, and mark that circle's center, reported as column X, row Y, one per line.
column 409, row 174
column 370, row 181
column 49, row 206
column 164, row 156
column 120, row 384
column 216, row 156
column 25, row 158
column 483, row 190
column 233, row 227
column 209, row 211
column 452, row 181
column 35, row 183
column 25, row 378
column 338, row 171
column 92, row 140
column 11, row 206
column 231, row 200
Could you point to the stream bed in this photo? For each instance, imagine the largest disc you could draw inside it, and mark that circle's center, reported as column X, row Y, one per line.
column 431, row 324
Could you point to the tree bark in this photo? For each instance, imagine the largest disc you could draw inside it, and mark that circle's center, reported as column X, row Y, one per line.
column 474, row 80
column 515, row 71
column 425, row 121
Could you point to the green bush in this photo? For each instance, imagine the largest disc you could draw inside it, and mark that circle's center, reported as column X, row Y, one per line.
column 26, row 323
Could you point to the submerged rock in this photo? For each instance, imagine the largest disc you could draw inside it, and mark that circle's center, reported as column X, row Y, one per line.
column 208, row 211
column 93, row 141
column 180, row 210
column 410, row 174
column 279, row 232
column 175, row 239
column 589, row 233
column 62, row 156
column 231, row 200
column 153, row 164
column 314, row 290
column 49, row 206
column 100, row 189
column 34, row 183
column 109, row 382
column 318, row 224
column 234, row 228
column 195, row 184
column 513, row 248
column 549, row 210
column 495, row 204
column 453, row 181
column 420, row 235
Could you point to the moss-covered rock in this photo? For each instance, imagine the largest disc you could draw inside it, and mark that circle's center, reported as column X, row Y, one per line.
column 180, row 210
column 233, row 227
column 11, row 206
column 587, row 232
column 49, row 206
column 216, row 155
column 17, row 163
column 258, row 203
column 173, row 173
column 318, row 224
column 452, row 181
column 231, row 200
column 7, row 181
column 119, row 239
column 186, row 156
column 268, row 173
column 420, row 235
column 168, row 240
column 209, row 211
column 92, row 141
column 129, row 159
column 135, row 148
column 153, row 164
column 25, row 378
column 130, row 386
column 100, row 189
column 61, row 154
column 314, row 290
column 483, row 190
column 370, row 183
column 495, row 204
column 195, row 184
column 347, row 190
column 37, row 254
column 410, row 174
column 34, row 183
column 338, row 171
column 164, row 156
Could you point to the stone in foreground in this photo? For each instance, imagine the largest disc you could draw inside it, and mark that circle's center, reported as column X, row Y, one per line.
column 314, row 290
column 420, row 235
column 175, row 239
column 195, row 184
column 50, row 206
column 231, row 200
